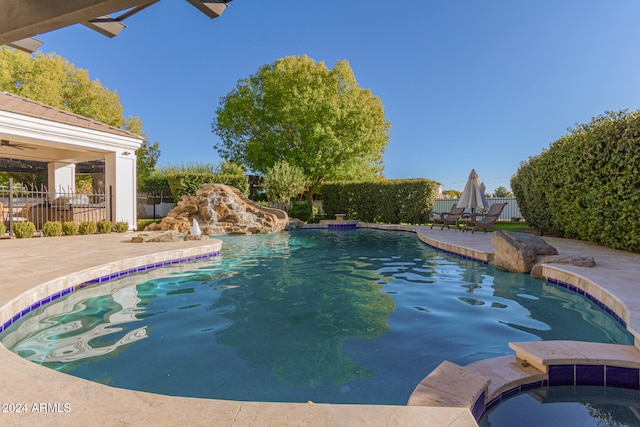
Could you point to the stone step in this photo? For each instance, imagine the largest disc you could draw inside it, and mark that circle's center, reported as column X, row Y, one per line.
column 542, row 354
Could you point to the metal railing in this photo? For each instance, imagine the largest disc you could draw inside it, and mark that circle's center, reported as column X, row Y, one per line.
column 21, row 203
column 154, row 205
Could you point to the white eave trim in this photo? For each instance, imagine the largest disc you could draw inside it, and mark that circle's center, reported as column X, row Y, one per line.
column 36, row 129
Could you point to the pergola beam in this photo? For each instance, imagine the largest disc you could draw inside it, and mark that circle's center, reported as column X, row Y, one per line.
column 211, row 8
column 105, row 25
column 27, row 45
column 22, row 19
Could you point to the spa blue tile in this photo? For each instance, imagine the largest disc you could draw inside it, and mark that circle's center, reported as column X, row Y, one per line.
column 561, row 375
column 494, row 402
column 531, row 386
column 478, row 407
column 589, row 375
column 509, row 393
column 623, row 377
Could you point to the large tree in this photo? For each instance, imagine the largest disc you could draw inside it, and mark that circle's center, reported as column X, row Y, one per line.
column 53, row 80
column 299, row 111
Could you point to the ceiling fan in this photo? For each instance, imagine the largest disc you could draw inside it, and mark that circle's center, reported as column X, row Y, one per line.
column 7, row 143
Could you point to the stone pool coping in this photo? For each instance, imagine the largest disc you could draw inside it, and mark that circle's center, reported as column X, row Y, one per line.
column 29, row 266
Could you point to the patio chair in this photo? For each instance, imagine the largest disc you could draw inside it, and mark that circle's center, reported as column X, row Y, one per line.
column 486, row 220
column 445, row 219
column 22, row 214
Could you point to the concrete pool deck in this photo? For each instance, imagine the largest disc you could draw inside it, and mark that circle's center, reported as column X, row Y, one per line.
column 32, row 269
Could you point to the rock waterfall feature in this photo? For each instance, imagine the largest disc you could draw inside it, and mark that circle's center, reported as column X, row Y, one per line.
column 220, row 209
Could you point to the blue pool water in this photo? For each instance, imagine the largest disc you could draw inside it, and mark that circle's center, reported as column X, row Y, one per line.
column 328, row 316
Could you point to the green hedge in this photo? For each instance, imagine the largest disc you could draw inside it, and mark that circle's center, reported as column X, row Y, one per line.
column 587, row 184
column 389, row 201
column 188, row 183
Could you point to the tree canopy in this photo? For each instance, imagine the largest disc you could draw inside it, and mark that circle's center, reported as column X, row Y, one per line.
column 299, row 111
column 54, row 81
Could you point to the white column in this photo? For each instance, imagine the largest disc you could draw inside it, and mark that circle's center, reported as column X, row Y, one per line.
column 61, row 178
column 120, row 182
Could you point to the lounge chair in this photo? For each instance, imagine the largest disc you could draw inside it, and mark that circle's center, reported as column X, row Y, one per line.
column 445, row 219
column 486, row 220
column 20, row 215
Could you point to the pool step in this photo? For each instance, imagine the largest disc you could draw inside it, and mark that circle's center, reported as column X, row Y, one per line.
column 543, row 354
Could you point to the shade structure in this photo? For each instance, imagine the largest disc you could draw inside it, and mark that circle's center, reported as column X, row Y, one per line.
column 472, row 196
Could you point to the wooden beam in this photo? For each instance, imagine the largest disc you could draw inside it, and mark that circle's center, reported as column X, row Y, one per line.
column 211, row 8
column 105, row 25
column 21, row 19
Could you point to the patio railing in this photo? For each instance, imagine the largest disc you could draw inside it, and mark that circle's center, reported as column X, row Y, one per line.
column 22, row 203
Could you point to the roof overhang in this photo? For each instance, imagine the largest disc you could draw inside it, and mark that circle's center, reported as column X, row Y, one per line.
column 46, row 141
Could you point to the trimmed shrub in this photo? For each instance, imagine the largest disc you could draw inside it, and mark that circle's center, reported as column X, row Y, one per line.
column 104, row 226
column 386, row 201
column 3, row 228
column 121, row 226
column 24, row 229
column 87, row 227
column 188, row 183
column 300, row 210
column 70, row 228
column 52, row 228
column 585, row 186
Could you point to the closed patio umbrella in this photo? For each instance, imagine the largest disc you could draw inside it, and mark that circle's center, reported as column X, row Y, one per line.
column 472, row 196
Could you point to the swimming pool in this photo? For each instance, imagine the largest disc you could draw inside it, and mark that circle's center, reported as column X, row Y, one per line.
column 328, row 316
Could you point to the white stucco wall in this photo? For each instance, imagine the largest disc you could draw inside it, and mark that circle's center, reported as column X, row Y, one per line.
column 120, row 179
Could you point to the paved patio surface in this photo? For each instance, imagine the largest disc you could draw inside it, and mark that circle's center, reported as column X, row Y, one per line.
column 34, row 395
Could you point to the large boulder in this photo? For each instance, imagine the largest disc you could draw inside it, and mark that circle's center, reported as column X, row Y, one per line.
column 221, row 209
column 519, row 252
column 571, row 259
column 157, row 236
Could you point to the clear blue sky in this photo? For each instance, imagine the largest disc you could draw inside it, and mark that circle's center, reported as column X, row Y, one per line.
column 466, row 84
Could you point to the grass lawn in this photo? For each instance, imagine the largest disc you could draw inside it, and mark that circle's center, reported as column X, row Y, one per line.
column 513, row 226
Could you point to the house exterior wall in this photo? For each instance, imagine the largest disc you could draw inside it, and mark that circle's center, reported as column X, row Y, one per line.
column 120, row 174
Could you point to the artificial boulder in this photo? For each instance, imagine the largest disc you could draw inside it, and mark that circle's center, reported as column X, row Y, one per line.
column 157, row 236
column 571, row 259
column 221, row 209
column 519, row 252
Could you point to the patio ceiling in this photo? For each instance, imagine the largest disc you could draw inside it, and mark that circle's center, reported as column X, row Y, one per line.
column 22, row 20
column 42, row 151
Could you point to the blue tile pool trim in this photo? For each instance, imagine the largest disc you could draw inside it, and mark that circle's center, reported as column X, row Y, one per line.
column 574, row 375
column 351, row 226
column 102, row 279
column 590, row 297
